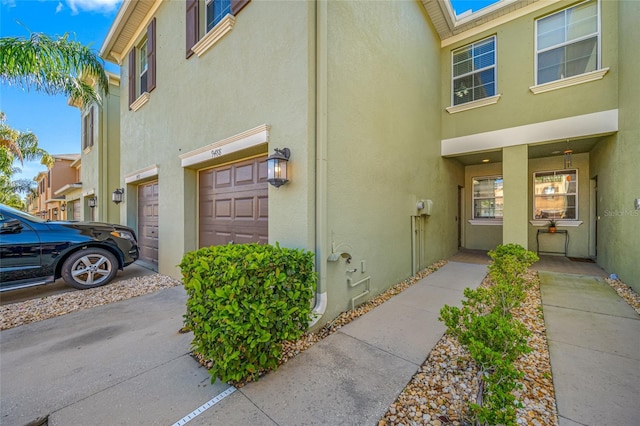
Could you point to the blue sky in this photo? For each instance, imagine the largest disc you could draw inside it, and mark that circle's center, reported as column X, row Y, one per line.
column 56, row 124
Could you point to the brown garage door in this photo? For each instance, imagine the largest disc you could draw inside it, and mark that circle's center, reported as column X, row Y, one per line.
column 76, row 210
column 234, row 203
column 148, row 223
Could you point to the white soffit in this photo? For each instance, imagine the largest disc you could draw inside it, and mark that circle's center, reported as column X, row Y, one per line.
column 250, row 138
column 597, row 123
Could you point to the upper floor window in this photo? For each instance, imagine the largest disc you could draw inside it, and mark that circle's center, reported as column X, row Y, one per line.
column 142, row 65
column 212, row 13
column 488, row 197
column 474, row 71
column 87, row 129
column 216, row 10
column 568, row 43
column 555, row 195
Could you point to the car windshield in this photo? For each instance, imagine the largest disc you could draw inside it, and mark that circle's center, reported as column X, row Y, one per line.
column 22, row 214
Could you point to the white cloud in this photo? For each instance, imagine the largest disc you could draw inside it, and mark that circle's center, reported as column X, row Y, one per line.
column 9, row 3
column 59, row 7
column 103, row 6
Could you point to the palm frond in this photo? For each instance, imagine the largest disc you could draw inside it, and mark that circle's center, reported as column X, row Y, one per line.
column 53, row 66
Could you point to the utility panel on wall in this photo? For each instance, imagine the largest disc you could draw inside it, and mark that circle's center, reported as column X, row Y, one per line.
column 424, row 207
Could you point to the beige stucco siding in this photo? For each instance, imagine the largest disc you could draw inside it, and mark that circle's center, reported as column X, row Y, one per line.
column 614, row 162
column 383, row 145
column 259, row 73
column 516, row 73
column 100, row 171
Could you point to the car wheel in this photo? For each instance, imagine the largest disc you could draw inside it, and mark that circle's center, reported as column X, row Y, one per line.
column 88, row 268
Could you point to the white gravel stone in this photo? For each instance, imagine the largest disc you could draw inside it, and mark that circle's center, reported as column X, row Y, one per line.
column 28, row 311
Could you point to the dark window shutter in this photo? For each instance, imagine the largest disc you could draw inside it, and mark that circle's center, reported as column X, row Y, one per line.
column 91, row 126
column 237, row 5
column 151, row 56
column 193, row 24
column 132, row 76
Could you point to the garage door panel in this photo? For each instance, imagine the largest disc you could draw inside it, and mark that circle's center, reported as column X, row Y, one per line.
column 244, row 208
column 263, row 207
column 223, row 209
column 262, row 170
column 240, row 201
column 148, row 223
column 245, row 175
column 222, row 178
column 206, row 208
column 73, row 210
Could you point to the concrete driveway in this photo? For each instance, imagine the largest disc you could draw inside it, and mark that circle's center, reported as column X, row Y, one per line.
column 92, row 362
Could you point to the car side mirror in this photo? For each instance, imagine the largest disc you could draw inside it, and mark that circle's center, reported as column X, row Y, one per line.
column 10, row 226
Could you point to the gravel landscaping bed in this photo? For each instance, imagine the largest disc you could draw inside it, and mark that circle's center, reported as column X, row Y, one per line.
column 440, row 391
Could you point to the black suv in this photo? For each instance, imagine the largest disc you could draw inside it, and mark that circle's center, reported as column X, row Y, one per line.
column 85, row 254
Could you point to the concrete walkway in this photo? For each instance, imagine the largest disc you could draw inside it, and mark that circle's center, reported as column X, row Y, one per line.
column 594, row 345
column 125, row 363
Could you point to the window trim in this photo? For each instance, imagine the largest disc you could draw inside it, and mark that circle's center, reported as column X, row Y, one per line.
column 494, row 67
column 569, row 81
column 561, row 222
column 484, row 220
column 474, row 104
column 137, row 96
column 221, row 29
column 537, row 52
column 200, row 45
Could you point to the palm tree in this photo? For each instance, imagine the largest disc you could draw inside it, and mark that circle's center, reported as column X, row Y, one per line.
column 21, row 146
column 53, row 66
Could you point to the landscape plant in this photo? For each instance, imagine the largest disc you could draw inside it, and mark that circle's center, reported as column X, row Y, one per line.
column 493, row 337
column 244, row 300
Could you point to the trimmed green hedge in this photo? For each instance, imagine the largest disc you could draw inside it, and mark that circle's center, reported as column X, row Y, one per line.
column 244, row 301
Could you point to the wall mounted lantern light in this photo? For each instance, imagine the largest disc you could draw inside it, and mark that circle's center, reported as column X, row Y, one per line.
column 277, row 167
column 92, row 202
column 117, row 196
column 55, row 211
column 63, row 207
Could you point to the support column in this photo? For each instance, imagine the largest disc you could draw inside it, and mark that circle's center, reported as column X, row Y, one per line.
column 515, row 171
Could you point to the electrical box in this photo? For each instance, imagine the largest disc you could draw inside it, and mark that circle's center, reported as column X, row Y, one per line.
column 424, row 207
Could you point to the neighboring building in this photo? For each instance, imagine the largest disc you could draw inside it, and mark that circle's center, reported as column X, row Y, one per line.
column 50, row 204
column 100, row 144
column 72, row 194
column 389, row 110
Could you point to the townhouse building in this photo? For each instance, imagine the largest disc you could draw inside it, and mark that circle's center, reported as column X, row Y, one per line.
column 410, row 132
column 48, row 203
column 100, row 156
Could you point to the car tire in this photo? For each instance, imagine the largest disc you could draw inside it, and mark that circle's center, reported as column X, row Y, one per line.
column 89, row 268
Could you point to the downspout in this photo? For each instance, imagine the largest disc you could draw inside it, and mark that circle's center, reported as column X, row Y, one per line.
column 321, row 160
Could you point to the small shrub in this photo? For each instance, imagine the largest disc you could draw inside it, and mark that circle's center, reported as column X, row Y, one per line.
column 244, row 301
column 494, row 339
